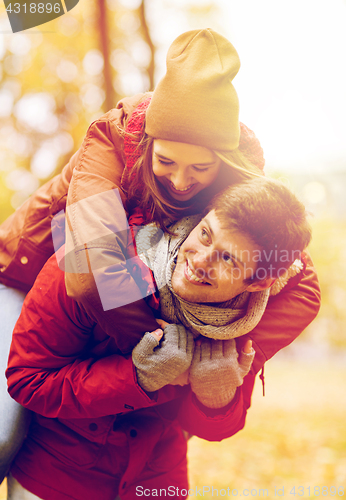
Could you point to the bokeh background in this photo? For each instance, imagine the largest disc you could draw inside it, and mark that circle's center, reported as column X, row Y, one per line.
column 57, row 78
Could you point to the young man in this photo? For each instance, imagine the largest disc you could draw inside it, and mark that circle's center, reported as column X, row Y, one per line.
column 215, row 276
column 95, row 431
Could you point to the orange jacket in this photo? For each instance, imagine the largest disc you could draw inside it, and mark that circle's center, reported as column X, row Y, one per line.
column 26, row 236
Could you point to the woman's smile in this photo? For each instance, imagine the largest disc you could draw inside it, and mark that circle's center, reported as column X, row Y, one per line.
column 181, row 190
column 184, row 169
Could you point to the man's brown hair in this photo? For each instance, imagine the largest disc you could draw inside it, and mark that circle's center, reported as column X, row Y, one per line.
column 272, row 216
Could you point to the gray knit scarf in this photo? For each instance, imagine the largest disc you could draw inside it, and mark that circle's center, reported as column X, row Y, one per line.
column 226, row 320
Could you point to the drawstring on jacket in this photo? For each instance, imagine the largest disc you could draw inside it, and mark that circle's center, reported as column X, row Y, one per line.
column 262, row 378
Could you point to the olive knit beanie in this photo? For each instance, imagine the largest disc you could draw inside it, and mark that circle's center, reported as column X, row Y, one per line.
column 195, row 102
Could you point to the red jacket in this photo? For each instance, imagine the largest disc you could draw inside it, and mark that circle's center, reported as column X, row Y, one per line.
column 95, row 429
column 90, row 409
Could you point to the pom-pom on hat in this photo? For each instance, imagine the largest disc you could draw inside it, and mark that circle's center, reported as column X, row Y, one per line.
column 195, row 102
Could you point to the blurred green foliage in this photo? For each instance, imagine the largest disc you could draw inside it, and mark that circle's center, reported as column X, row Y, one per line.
column 328, row 250
column 323, row 195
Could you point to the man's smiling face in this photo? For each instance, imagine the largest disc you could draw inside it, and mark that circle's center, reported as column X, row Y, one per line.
column 213, row 262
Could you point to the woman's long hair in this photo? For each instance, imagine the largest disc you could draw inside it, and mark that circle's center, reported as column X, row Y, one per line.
column 144, row 190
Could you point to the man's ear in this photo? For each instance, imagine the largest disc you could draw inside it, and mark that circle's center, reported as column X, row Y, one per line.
column 261, row 285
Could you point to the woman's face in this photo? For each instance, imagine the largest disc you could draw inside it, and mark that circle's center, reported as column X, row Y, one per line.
column 184, row 169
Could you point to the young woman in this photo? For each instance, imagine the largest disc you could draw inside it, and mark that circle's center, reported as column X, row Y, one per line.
column 167, row 154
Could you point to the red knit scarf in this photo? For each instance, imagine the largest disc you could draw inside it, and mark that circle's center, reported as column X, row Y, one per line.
column 134, row 133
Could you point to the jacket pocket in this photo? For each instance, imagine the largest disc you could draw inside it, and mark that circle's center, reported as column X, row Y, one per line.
column 169, row 451
column 67, row 445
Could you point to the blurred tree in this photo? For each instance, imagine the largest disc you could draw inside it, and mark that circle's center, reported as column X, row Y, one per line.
column 103, row 29
column 147, row 38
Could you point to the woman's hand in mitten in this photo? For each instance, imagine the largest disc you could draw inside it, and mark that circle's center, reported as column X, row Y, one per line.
column 159, row 363
column 217, row 371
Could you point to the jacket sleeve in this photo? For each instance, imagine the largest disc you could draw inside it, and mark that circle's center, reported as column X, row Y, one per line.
column 96, row 269
column 61, row 366
column 286, row 316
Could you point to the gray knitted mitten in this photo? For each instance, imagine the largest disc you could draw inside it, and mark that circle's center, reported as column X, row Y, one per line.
column 158, row 364
column 216, row 371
